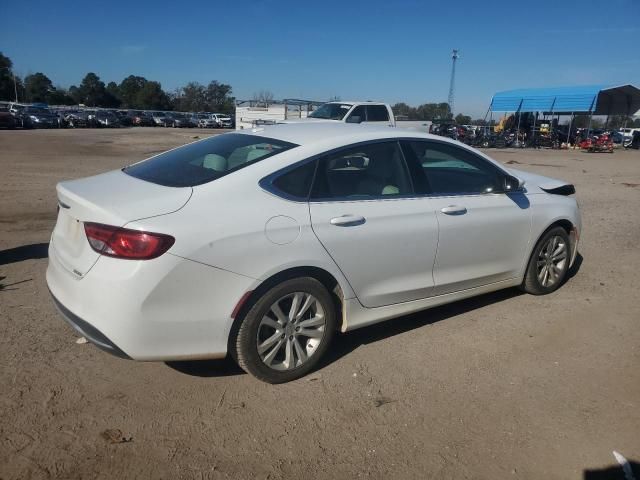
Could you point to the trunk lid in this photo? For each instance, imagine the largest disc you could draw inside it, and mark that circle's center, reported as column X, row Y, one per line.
column 112, row 198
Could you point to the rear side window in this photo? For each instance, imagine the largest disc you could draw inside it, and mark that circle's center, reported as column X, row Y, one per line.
column 368, row 171
column 204, row 161
column 297, row 182
column 377, row 113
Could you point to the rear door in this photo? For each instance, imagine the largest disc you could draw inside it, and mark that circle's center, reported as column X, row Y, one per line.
column 484, row 232
column 380, row 235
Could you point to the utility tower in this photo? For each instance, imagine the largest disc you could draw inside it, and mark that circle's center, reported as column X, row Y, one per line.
column 454, row 58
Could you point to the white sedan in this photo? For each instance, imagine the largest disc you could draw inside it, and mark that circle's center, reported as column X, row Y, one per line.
column 263, row 243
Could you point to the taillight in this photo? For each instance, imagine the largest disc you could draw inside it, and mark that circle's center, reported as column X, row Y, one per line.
column 125, row 243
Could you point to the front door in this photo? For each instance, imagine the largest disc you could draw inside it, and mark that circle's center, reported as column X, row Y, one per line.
column 484, row 233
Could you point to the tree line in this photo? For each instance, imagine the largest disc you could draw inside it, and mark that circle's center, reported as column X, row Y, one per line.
column 432, row 112
column 137, row 92
column 133, row 92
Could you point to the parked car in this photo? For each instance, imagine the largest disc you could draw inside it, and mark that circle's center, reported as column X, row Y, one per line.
column 124, row 118
column 161, row 119
column 618, row 137
column 193, row 117
column 106, row 118
column 91, row 117
column 180, row 120
column 634, row 141
column 221, row 120
column 628, row 132
column 41, row 117
column 341, row 227
column 141, row 119
column 77, row 119
column 350, row 112
column 205, row 121
column 7, row 120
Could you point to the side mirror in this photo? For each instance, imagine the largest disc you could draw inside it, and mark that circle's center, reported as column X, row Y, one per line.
column 513, row 184
column 354, row 119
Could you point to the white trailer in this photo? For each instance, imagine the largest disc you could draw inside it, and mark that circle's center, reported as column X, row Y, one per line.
column 250, row 113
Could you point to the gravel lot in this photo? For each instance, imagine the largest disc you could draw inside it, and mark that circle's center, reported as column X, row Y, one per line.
column 500, row 386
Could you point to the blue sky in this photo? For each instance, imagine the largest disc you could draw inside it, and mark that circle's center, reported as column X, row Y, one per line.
column 379, row 50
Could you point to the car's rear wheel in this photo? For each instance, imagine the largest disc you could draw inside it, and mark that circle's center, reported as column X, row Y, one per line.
column 286, row 332
column 549, row 263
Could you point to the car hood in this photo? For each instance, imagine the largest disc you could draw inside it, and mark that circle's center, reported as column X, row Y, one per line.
column 535, row 183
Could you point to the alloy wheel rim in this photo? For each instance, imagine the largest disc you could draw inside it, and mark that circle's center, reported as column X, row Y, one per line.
column 552, row 261
column 291, row 331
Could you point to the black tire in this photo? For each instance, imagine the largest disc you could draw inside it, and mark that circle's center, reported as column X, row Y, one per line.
column 246, row 340
column 532, row 282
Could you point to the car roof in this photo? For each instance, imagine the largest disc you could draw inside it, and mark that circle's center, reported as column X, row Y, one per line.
column 341, row 133
column 358, row 102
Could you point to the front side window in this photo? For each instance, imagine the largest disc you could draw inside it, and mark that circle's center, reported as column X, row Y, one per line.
column 331, row 111
column 368, row 171
column 359, row 112
column 377, row 113
column 449, row 169
column 206, row 160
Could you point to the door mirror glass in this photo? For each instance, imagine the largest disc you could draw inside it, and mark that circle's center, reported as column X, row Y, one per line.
column 513, row 184
column 354, row 119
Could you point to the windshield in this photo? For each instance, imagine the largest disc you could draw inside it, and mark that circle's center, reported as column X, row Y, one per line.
column 331, row 111
column 206, row 160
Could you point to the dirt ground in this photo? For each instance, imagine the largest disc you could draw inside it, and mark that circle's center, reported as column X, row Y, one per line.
column 501, row 386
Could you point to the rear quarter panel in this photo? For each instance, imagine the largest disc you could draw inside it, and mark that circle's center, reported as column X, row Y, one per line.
column 234, row 225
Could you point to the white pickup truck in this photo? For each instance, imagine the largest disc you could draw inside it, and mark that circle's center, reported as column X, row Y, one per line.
column 350, row 112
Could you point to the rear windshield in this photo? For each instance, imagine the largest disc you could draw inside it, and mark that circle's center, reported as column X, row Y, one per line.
column 206, row 160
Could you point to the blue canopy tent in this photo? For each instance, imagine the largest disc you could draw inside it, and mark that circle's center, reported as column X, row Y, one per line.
column 587, row 99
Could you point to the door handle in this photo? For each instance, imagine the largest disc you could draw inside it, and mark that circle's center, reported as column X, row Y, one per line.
column 454, row 210
column 347, row 221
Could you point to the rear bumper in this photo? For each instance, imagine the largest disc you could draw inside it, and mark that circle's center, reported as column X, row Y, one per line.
column 168, row 308
column 88, row 331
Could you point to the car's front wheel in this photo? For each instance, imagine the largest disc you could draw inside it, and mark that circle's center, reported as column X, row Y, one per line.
column 286, row 332
column 549, row 263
